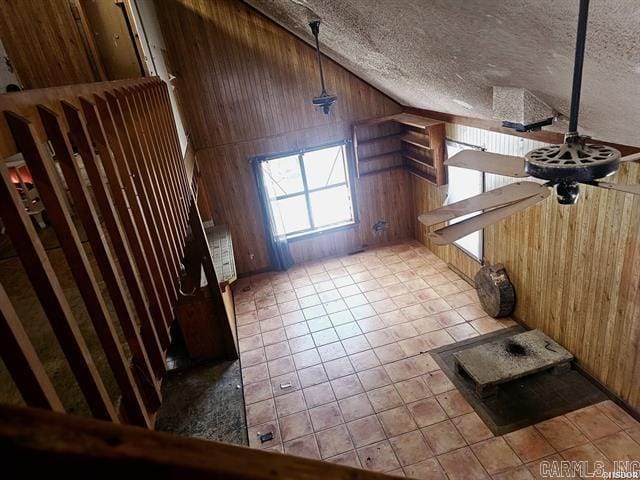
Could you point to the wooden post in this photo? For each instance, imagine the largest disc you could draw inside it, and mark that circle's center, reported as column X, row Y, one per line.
column 45, row 283
column 22, row 360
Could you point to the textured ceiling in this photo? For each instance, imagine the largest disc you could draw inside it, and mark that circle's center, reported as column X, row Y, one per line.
column 446, row 55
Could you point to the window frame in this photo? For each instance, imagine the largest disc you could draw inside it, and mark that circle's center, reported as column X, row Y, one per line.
column 479, row 259
column 349, row 182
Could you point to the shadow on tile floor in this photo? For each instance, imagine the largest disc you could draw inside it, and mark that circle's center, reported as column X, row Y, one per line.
column 204, row 401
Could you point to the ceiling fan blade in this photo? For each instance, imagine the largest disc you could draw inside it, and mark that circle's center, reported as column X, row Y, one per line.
column 456, row 231
column 510, row 193
column 631, row 158
column 620, row 187
column 488, row 162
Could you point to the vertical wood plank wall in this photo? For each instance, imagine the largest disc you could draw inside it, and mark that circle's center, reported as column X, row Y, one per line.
column 44, row 44
column 245, row 87
column 576, row 269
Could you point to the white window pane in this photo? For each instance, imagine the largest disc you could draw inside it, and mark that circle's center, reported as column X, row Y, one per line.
column 293, row 213
column 465, row 183
column 331, row 206
column 283, row 176
column 324, row 167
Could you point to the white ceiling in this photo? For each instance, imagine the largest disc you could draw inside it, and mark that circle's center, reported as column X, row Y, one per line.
column 446, row 55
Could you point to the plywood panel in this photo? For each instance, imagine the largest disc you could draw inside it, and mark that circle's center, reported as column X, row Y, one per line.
column 576, row 269
column 245, row 86
column 43, row 42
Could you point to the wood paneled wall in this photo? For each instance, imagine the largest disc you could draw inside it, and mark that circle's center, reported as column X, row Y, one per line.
column 576, row 269
column 43, row 42
column 245, row 86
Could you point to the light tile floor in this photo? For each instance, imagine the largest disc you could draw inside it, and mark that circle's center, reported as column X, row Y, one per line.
column 332, row 364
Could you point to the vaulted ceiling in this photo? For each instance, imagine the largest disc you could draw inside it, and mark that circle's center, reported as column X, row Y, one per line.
column 446, row 55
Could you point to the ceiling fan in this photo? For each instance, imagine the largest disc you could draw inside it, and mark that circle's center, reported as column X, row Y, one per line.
column 563, row 167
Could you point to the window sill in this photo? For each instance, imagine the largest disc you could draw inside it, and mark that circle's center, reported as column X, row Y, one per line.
column 323, row 231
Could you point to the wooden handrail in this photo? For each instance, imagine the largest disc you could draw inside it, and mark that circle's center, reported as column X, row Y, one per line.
column 34, row 440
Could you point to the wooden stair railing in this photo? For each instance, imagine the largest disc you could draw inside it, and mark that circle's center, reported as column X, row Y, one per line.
column 35, row 440
column 136, row 207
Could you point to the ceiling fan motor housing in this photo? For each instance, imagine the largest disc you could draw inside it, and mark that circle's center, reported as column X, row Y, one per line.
column 572, row 161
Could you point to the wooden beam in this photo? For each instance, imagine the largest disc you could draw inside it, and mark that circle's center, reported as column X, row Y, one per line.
column 34, row 440
column 22, row 361
column 143, row 372
column 496, row 126
column 45, row 283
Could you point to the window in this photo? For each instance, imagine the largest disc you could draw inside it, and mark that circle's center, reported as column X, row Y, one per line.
column 465, row 183
column 310, row 190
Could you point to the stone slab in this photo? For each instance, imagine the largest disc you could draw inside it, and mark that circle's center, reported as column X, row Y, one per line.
column 526, row 400
column 507, row 359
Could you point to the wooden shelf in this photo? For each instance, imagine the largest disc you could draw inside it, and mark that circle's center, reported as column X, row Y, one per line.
column 414, row 140
column 372, row 158
column 415, row 121
column 413, row 159
column 369, row 141
column 422, row 175
column 382, row 170
column 421, row 144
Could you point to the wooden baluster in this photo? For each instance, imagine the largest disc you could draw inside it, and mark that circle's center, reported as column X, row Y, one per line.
column 169, row 175
column 156, row 181
column 44, row 174
column 152, row 94
column 144, row 373
column 164, row 103
column 22, row 361
column 136, row 227
column 127, row 243
column 129, row 170
column 145, row 194
column 46, row 286
column 152, row 182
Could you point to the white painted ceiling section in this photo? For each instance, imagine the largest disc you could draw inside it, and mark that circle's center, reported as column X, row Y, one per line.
column 446, row 55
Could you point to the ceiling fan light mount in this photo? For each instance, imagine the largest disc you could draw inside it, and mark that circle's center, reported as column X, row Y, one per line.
column 324, row 101
column 567, row 193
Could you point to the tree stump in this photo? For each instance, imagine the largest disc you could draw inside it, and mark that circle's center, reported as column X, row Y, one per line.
column 495, row 291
